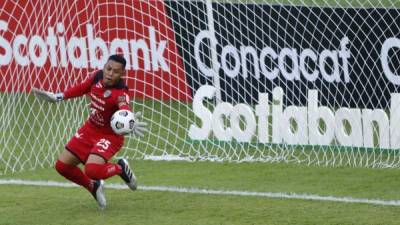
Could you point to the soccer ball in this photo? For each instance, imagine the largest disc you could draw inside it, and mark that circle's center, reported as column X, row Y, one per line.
column 122, row 122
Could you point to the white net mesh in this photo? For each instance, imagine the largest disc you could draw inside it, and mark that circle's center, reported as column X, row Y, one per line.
column 294, row 81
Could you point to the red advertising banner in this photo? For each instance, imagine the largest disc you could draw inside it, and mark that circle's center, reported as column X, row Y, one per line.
column 55, row 44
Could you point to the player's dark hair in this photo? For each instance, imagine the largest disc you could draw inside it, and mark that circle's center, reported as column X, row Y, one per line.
column 118, row 58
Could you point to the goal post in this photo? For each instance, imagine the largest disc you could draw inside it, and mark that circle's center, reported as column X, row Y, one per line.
column 312, row 82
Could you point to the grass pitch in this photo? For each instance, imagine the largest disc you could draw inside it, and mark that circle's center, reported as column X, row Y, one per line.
column 36, row 205
column 59, row 205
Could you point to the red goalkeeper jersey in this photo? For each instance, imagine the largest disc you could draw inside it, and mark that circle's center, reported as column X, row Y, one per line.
column 104, row 100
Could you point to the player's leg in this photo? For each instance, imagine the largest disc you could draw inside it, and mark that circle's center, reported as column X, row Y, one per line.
column 98, row 167
column 67, row 166
column 77, row 151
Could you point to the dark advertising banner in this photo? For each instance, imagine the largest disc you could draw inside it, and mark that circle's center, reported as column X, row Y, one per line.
column 349, row 55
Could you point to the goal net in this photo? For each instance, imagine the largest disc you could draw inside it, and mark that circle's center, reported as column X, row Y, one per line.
column 312, row 82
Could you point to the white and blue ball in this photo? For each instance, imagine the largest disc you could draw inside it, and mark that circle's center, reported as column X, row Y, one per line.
column 122, row 122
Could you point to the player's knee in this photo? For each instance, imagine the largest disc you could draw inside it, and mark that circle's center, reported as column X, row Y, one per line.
column 62, row 168
column 92, row 171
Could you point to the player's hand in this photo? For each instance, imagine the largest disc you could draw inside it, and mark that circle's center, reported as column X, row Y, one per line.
column 139, row 127
column 48, row 96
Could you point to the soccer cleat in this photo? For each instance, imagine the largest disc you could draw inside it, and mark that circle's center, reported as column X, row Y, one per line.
column 127, row 174
column 98, row 193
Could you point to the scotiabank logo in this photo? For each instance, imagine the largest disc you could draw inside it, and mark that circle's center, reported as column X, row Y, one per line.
column 93, row 50
column 57, row 48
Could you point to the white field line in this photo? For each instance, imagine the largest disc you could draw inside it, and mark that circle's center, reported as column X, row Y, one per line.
column 214, row 192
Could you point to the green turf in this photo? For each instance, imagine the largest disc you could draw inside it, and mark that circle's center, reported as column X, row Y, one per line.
column 72, row 206
column 22, row 205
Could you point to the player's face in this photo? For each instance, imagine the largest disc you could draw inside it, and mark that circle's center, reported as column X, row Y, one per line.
column 112, row 72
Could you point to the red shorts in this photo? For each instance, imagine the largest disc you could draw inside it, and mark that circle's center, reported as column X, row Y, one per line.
column 88, row 141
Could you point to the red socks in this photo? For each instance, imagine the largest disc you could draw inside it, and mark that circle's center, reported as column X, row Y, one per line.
column 74, row 174
column 92, row 172
column 102, row 171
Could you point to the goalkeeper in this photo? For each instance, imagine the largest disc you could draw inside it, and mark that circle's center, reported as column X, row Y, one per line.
column 95, row 143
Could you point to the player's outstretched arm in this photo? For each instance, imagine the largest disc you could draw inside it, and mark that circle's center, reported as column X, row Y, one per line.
column 48, row 96
column 140, row 127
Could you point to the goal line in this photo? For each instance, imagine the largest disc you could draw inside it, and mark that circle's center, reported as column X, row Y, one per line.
column 194, row 190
